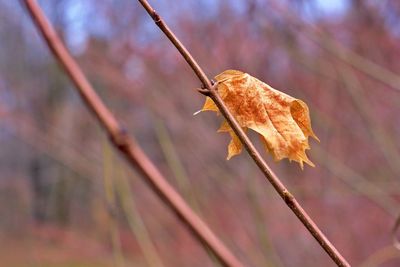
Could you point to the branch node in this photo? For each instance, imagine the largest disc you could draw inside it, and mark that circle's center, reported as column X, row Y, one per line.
column 120, row 138
column 214, row 85
column 214, row 88
column 155, row 17
column 288, row 197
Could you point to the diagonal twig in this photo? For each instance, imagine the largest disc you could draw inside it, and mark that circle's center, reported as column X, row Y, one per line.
column 210, row 90
column 126, row 145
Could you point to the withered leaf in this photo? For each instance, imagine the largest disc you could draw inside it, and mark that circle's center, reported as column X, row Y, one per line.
column 282, row 121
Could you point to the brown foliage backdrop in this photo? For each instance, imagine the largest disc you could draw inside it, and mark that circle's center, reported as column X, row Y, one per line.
column 56, row 165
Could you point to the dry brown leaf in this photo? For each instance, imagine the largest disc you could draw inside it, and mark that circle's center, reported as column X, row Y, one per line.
column 282, row 121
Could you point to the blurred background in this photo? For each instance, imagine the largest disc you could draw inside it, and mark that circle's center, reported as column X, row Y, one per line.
column 68, row 199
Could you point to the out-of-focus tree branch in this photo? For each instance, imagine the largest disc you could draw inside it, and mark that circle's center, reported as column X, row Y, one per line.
column 127, row 146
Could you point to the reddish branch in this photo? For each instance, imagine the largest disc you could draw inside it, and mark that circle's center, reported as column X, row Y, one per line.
column 127, row 146
column 268, row 173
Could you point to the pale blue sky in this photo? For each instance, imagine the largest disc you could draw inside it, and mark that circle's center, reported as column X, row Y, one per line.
column 78, row 12
column 332, row 6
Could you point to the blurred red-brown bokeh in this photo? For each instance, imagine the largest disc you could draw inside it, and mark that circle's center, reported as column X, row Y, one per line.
column 68, row 199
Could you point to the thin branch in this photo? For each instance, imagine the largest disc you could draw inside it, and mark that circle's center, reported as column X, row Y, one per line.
column 210, row 90
column 127, row 146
